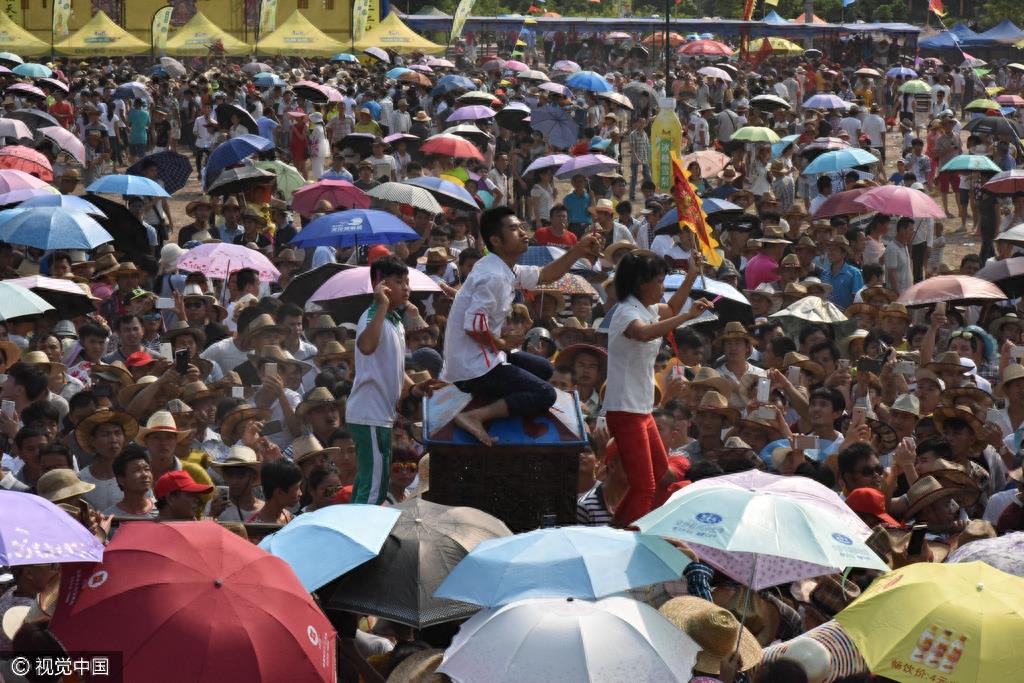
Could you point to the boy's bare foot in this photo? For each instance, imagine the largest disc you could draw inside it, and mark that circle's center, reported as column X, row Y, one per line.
column 475, row 427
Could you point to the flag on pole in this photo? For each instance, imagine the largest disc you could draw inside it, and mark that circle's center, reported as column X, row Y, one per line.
column 459, row 19
column 691, row 213
column 161, row 24
column 773, row 3
column 936, row 7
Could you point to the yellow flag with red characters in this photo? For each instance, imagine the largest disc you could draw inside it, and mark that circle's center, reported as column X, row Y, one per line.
column 691, row 213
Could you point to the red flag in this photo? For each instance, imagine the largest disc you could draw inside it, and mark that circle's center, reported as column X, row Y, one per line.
column 691, row 213
column 763, row 53
column 936, row 7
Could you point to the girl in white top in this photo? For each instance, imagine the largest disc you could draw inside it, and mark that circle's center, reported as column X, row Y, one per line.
column 637, row 329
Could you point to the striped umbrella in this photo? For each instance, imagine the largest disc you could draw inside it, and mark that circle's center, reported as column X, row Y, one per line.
column 173, row 169
column 399, row 193
column 66, row 141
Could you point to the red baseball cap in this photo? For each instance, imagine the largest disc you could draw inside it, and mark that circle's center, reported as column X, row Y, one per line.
column 138, row 359
column 375, row 252
column 178, row 480
column 869, row 501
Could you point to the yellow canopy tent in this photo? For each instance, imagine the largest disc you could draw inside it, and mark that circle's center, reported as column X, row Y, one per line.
column 101, row 36
column 14, row 38
column 298, row 37
column 196, row 36
column 393, row 34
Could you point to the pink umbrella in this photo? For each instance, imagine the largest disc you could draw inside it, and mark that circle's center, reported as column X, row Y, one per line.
column 20, row 158
column 516, row 65
column 619, row 35
column 842, row 204
column 54, row 83
column 705, row 47
column 25, row 89
column 340, row 193
column 12, row 179
column 356, row 282
column 556, row 88
column 422, row 68
column 451, row 145
column 1007, row 182
column 378, row 53
column 218, row 260
column 66, row 141
column 14, row 128
column 438, row 63
column 897, row 200
column 958, row 288
column 1011, row 100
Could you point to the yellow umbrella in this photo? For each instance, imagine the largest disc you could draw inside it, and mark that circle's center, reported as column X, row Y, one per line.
column 959, row 623
column 780, row 46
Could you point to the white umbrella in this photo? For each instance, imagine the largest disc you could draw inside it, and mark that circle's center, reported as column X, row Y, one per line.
column 16, row 301
column 715, row 72
column 173, row 67
column 571, row 641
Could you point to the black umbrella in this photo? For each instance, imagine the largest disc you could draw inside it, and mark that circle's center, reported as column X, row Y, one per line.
column 635, row 89
column 512, row 115
column 427, row 542
column 994, row 125
column 33, row 118
column 730, row 304
column 1007, row 274
column 128, row 232
column 308, row 92
column 237, row 179
column 301, row 288
column 226, row 111
column 172, row 168
column 69, row 305
column 360, row 143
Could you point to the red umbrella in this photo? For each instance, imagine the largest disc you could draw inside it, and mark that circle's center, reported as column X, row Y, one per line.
column 959, row 288
column 190, row 601
column 26, row 159
column 897, row 200
column 705, row 47
column 841, row 204
column 451, row 145
column 340, row 193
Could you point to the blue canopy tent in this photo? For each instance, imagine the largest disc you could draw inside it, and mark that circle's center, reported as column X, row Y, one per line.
column 1005, row 33
column 948, row 40
column 774, row 18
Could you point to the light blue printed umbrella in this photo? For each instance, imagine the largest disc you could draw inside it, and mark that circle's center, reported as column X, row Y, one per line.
column 354, row 227
column 69, row 202
column 131, row 185
column 51, row 227
column 588, row 80
column 322, row 545
column 568, row 562
column 840, row 160
column 971, row 162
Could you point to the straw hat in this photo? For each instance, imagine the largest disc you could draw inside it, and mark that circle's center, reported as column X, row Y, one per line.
column 844, row 343
column 61, row 484
column 419, row 667
column 906, row 403
column 162, row 422
column 709, row 378
column 869, row 293
column 603, row 206
column 1012, row 373
column 567, row 356
column 332, row 351
column 196, row 391
column 734, row 330
column 308, row 446
column 615, row 247
column 789, row 261
column 179, row 328
column 86, row 428
column 925, row 491
column 239, row 456
column 803, row 362
column 861, row 308
column 793, row 292
column 733, row 446
column 572, row 324
column 923, row 374
column 324, row 324
column 42, row 360
column 275, row 354
column 112, row 372
column 128, row 393
column 812, row 282
column 996, row 325
column 948, row 361
column 230, row 423
column 955, row 476
column 551, row 293
column 766, row 291
column 261, row 323
column 951, row 394
column 894, row 310
column 320, row 396
column 715, row 629
column 714, row 402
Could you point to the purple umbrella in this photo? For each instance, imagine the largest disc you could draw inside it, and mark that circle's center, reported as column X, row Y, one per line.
column 35, row 531
column 378, row 53
column 398, row 137
column 18, row 196
column 556, row 88
column 422, row 68
column 565, row 65
column 552, row 160
column 474, row 112
column 13, row 179
column 586, row 165
column 556, row 125
column 826, row 102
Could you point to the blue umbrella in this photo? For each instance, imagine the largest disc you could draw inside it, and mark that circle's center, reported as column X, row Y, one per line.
column 569, row 562
column 900, row 71
column 970, row 162
column 540, row 255
column 588, row 80
column 172, row 168
column 839, row 160
column 158, row 71
column 51, row 228
column 450, row 83
column 68, row 202
column 133, row 90
column 322, row 545
column 354, row 227
column 781, row 145
column 556, row 125
column 445, row 192
column 711, row 206
column 393, row 74
column 265, row 79
column 130, row 185
column 344, row 57
column 32, row 70
column 232, row 151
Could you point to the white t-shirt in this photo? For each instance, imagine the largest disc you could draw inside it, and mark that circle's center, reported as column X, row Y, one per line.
column 631, row 363
column 379, row 376
column 225, row 354
column 106, row 494
column 874, row 128
column 666, row 247
column 482, row 305
column 897, row 257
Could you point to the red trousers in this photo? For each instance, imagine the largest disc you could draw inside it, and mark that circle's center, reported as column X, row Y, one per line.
column 644, row 461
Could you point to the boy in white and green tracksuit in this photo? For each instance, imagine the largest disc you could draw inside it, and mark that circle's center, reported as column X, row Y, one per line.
column 380, row 379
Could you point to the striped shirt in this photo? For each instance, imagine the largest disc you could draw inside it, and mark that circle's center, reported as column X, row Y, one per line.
column 845, row 659
column 591, row 509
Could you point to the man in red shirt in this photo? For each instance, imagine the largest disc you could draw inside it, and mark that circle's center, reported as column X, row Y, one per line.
column 62, row 110
column 558, row 232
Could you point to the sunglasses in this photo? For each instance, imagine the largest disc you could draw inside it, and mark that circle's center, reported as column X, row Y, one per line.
column 403, row 467
column 872, row 471
column 195, row 304
column 966, row 334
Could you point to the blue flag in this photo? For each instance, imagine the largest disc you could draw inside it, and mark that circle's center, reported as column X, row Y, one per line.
column 847, row 3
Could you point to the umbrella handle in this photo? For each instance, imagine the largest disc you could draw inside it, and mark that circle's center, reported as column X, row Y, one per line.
column 746, row 603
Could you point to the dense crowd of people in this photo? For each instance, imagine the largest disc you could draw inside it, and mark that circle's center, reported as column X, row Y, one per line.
column 175, row 395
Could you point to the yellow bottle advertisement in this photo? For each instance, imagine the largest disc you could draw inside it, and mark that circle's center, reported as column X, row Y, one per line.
column 666, row 137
